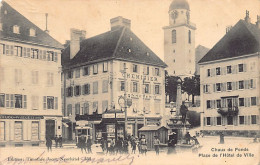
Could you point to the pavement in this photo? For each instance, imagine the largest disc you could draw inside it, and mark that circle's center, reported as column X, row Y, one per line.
column 236, row 150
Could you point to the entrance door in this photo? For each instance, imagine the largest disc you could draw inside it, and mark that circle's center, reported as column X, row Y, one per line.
column 50, row 128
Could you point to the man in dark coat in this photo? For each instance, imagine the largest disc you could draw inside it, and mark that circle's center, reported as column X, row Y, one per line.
column 82, row 143
column 49, row 144
column 183, row 111
column 60, row 141
column 89, row 144
column 56, row 141
column 187, row 138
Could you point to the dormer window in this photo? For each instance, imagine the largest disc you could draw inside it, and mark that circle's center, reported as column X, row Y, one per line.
column 32, row 32
column 16, row 29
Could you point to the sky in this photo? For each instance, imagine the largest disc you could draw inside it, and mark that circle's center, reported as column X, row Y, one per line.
column 147, row 17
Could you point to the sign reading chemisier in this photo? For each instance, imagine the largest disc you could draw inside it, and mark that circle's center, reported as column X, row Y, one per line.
column 140, row 77
column 23, row 117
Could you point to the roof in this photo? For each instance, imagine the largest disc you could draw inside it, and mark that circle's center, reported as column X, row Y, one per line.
column 10, row 17
column 120, row 44
column 179, row 4
column 151, row 128
column 241, row 40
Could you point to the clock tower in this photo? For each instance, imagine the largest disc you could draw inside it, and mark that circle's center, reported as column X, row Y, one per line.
column 179, row 40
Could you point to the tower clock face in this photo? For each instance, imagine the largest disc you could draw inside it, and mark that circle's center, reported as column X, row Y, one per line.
column 174, row 14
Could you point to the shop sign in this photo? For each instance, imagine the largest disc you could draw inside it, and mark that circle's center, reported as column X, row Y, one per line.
column 140, row 77
column 112, row 115
column 22, row 117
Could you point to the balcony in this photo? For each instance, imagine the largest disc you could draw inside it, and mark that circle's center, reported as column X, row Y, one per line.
column 228, row 111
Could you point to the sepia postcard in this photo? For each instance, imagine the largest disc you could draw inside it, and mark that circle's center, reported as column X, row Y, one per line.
column 130, row 82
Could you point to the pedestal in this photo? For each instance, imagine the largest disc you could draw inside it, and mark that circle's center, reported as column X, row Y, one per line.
column 176, row 125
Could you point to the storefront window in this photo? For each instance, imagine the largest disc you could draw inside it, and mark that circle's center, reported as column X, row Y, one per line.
column 35, row 130
column 18, row 131
column 2, row 131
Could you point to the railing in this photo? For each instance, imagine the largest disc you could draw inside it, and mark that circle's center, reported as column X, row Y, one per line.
column 228, row 111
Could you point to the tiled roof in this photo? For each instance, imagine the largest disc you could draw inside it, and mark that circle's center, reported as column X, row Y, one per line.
column 241, row 40
column 10, row 17
column 121, row 44
column 151, row 128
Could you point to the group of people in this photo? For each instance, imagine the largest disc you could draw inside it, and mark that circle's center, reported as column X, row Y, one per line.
column 58, row 141
column 85, row 144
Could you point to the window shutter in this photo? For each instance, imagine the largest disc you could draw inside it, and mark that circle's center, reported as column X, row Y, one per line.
column 28, row 52
column 254, row 83
column 257, row 119
column 211, row 120
column 204, row 121
column 55, row 56
column 74, row 91
column 246, row 84
column 245, row 67
column 235, row 120
column 7, row 102
column 245, row 117
column 24, row 52
column 257, row 100
column 11, row 101
column 79, row 90
column 249, row 102
column 233, row 86
column 25, row 102
column 214, row 87
column 204, row 86
column 224, row 70
column 131, row 87
column 153, row 71
column 56, row 102
column 44, row 102
column 11, row 50
column 225, row 86
column 40, row 54
column 88, row 88
column 214, row 121
column 248, row 120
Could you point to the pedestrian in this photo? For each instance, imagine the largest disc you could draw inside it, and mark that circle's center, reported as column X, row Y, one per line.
column 125, row 146
column 49, row 144
column 82, row 143
column 143, row 144
column 187, row 138
column 156, row 144
column 138, row 145
column 171, row 145
column 89, row 144
column 60, row 141
column 133, row 145
column 221, row 138
column 56, row 141
column 103, row 144
column 196, row 140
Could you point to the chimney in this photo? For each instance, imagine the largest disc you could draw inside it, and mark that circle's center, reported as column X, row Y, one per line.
column 118, row 22
column 46, row 29
column 76, row 36
column 247, row 18
column 258, row 21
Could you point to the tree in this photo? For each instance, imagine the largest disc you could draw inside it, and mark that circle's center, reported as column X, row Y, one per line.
column 191, row 85
column 171, row 86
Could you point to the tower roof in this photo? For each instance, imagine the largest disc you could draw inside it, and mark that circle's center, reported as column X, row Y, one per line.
column 179, row 4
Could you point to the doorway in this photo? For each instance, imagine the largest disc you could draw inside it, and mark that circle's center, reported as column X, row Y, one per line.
column 50, row 129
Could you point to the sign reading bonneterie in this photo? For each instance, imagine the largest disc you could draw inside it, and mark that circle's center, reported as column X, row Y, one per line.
column 23, row 117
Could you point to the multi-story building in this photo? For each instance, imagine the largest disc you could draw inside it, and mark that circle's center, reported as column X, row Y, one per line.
column 101, row 71
column 230, row 82
column 179, row 40
column 29, row 81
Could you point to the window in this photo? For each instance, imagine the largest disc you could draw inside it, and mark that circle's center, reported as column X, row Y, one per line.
column 208, row 120
column 135, row 86
column 241, row 120
column 229, row 86
column 135, row 68
column 69, row 109
column 218, row 71
column 34, row 77
column 86, row 108
column 174, row 36
column 146, row 70
column 16, row 29
column 70, row 74
column 105, row 66
column 189, row 36
column 86, row 89
column 229, row 69
column 206, row 88
column 251, row 83
column 229, row 120
column 253, row 119
column 2, row 130
column 32, row 32
column 105, row 86
column 18, row 101
column 50, row 80
column 240, row 67
column 208, row 104
column 18, row 130
column 253, row 101
column 77, row 90
column 77, row 73
column 95, row 107
column 2, row 49
column 35, row 102
column 17, row 51
column 241, row 84
column 86, row 71
column 35, row 130
column 157, row 89
column 95, row 69
column 2, row 100
column 208, row 72
column 157, row 71
column 95, row 87
column 69, row 92
column 146, row 88
column 35, row 54
column 77, row 109
column 50, row 102
column 218, row 103
column 104, row 105
column 122, row 86
column 241, row 102
column 50, row 56
column 218, row 120
column 218, row 87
